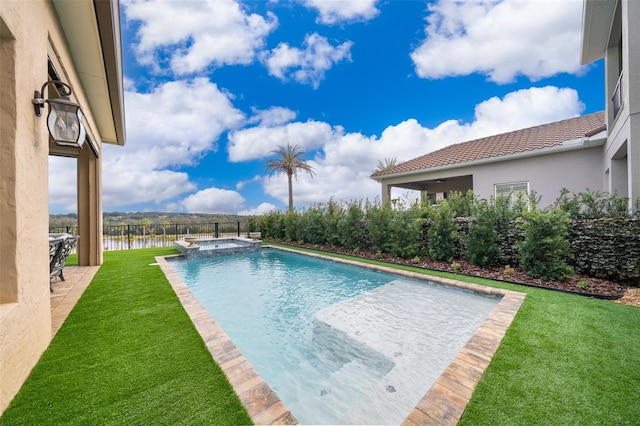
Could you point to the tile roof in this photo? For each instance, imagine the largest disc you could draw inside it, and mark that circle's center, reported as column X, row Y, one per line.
column 532, row 138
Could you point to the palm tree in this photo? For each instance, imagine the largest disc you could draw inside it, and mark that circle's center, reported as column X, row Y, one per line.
column 388, row 163
column 290, row 162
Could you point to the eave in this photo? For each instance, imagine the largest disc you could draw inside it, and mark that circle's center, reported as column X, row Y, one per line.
column 597, row 18
column 92, row 29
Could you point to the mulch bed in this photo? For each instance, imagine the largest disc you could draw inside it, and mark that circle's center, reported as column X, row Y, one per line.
column 577, row 284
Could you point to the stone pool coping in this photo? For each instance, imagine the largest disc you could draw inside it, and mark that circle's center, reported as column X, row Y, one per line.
column 443, row 404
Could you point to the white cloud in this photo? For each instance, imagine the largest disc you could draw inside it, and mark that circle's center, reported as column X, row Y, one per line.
column 346, row 161
column 308, row 65
column 173, row 125
column 526, row 108
column 259, row 142
column 197, row 34
column 176, row 123
column 243, row 183
column 336, row 11
column 63, row 184
column 273, row 116
column 124, row 185
column 260, row 210
column 214, row 200
column 501, row 39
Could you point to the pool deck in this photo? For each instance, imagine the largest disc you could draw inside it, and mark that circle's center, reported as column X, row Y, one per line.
column 443, row 404
column 66, row 293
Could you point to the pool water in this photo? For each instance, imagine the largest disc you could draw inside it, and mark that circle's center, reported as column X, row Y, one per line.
column 337, row 343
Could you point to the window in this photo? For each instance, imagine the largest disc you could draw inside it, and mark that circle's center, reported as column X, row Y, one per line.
column 620, row 56
column 617, row 97
column 512, row 190
column 617, row 93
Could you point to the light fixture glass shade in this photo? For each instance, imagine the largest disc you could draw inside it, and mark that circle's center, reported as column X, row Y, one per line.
column 65, row 123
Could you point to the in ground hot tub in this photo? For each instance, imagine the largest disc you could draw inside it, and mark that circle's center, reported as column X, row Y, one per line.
column 211, row 247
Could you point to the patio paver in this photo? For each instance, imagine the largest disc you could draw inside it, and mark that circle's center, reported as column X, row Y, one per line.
column 67, row 293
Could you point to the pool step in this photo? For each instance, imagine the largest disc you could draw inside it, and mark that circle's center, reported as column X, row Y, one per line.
column 336, row 395
column 402, row 322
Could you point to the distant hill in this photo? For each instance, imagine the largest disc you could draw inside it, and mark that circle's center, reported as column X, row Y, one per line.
column 135, row 218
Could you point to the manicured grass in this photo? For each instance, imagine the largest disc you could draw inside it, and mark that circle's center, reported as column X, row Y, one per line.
column 565, row 360
column 127, row 354
column 72, row 260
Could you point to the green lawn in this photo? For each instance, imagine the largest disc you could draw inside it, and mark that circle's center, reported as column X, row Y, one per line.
column 565, row 360
column 128, row 354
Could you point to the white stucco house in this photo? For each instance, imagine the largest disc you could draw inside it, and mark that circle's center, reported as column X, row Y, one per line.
column 599, row 151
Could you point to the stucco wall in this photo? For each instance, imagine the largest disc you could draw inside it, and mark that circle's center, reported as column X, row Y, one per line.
column 547, row 174
column 31, row 31
column 576, row 170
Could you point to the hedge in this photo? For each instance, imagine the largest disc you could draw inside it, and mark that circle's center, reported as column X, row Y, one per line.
column 606, row 248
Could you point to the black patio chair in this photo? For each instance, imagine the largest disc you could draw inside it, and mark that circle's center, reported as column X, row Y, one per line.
column 59, row 248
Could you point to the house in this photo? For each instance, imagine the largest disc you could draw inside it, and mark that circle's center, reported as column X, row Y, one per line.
column 543, row 159
column 599, row 151
column 75, row 44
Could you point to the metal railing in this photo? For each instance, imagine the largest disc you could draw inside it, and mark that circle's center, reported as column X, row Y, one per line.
column 128, row 237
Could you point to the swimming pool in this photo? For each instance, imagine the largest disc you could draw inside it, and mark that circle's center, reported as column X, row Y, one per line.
column 338, row 344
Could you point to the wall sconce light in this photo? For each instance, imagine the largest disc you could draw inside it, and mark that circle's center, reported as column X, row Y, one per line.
column 65, row 117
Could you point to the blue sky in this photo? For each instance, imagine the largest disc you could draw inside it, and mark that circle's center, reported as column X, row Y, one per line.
column 213, row 87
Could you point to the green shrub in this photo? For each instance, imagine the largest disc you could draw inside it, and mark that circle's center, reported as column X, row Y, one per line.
column 279, row 228
column 461, row 205
column 331, row 215
column 312, row 226
column 508, row 233
column 351, row 227
column 441, row 232
column 405, row 232
column 379, row 218
column 482, row 240
column 268, row 225
column 252, row 224
column 291, row 230
column 568, row 203
column 545, row 249
column 595, row 204
column 592, row 204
